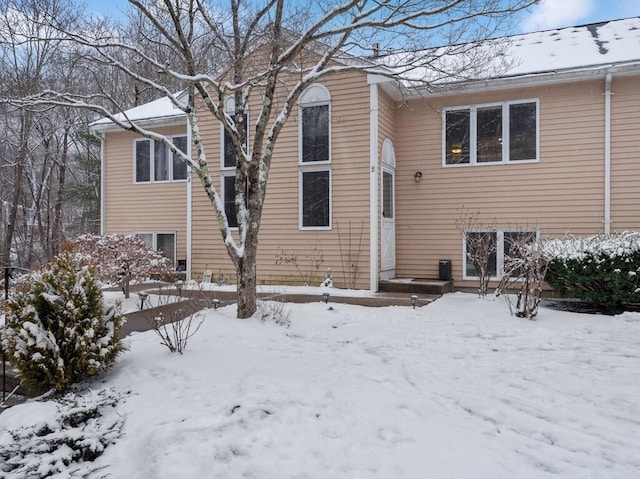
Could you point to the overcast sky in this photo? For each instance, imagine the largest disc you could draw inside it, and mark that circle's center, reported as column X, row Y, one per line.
column 549, row 14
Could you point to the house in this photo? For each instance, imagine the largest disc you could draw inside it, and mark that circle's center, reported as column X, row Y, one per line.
column 547, row 142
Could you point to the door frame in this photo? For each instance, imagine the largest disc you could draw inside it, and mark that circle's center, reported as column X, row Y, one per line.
column 387, row 229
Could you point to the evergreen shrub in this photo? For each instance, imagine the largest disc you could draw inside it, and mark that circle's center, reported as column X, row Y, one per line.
column 601, row 270
column 57, row 329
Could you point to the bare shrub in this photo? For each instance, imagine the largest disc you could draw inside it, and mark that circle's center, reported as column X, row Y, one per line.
column 350, row 243
column 175, row 319
column 306, row 265
column 277, row 311
column 525, row 267
column 480, row 240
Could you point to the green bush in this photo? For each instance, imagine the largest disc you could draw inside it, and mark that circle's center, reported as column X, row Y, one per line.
column 603, row 271
column 57, row 329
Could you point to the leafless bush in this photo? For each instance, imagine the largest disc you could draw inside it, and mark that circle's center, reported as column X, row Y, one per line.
column 480, row 241
column 175, row 319
column 306, row 265
column 277, row 311
column 524, row 270
column 350, row 248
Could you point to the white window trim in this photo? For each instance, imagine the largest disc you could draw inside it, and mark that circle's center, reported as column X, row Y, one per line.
column 474, row 130
column 154, row 241
column 499, row 250
column 300, row 197
column 152, row 166
column 230, row 109
column 315, row 95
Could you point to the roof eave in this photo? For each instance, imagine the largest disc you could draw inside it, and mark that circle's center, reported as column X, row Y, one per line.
column 516, row 81
column 167, row 120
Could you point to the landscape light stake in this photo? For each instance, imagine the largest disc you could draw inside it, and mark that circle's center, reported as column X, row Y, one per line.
column 414, row 301
column 215, row 303
column 143, row 298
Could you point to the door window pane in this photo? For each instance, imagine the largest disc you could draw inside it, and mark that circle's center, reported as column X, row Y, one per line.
column 315, row 198
column 387, row 195
column 458, row 126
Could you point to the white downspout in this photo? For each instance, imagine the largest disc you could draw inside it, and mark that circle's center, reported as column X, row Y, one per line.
column 102, row 181
column 189, row 205
column 373, row 187
column 607, row 155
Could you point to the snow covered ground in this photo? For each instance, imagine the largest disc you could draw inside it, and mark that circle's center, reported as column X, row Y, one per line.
column 457, row 389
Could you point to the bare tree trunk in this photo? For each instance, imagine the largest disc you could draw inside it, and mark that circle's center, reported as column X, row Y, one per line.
column 246, row 279
column 17, row 186
column 56, row 230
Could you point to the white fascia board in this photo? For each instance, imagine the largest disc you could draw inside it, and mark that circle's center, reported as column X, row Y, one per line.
column 172, row 120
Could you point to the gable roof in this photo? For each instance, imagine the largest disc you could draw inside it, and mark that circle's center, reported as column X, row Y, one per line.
column 161, row 111
column 556, row 55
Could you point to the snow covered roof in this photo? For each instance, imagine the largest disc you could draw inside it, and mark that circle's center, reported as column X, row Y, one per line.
column 161, row 110
column 548, row 54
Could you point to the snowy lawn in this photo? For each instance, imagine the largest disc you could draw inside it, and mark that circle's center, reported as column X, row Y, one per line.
column 457, row 389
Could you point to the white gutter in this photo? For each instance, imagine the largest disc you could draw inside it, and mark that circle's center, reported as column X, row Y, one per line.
column 189, row 206
column 607, row 155
column 102, row 176
column 373, row 187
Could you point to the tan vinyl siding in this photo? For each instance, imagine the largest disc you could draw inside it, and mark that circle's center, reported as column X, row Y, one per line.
column 625, row 155
column 561, row 193
column 280, row 235
column 141, row 207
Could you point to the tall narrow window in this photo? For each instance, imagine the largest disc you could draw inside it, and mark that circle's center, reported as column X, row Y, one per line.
column 387, row 195
column 160, row 162
column 143, row 160
column 489, row 136
column 229, row 194
column 522, row 132
column 458, row 128
column 315, row 133
column 315, row 198
column 315, row 150
column 179, row 166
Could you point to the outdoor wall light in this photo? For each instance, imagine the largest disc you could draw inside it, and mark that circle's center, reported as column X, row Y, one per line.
column 417, row 176
column 414, row 301
column 325, row 297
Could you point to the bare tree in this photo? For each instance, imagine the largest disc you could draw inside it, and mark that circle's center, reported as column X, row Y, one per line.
column 273, row 50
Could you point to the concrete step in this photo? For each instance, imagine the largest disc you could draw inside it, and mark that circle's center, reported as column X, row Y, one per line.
column 416, row 286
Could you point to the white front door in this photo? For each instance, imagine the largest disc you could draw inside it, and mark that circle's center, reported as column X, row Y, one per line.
column 388, row 236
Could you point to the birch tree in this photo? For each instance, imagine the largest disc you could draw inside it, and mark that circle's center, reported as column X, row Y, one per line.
column 221, row 52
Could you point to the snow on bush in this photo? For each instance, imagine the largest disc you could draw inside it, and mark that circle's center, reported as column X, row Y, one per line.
column 118, row 259
column 57, row 328
column 60, row 434
column 602, row 270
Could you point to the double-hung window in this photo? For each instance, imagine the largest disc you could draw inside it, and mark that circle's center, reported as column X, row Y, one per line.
column 228, row 162
column 160, row 241
column 501, row 246
column 314, row 137
column 155, row 162
column 494, row 133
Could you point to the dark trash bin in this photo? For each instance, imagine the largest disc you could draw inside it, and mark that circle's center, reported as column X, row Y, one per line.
column 444, row 270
